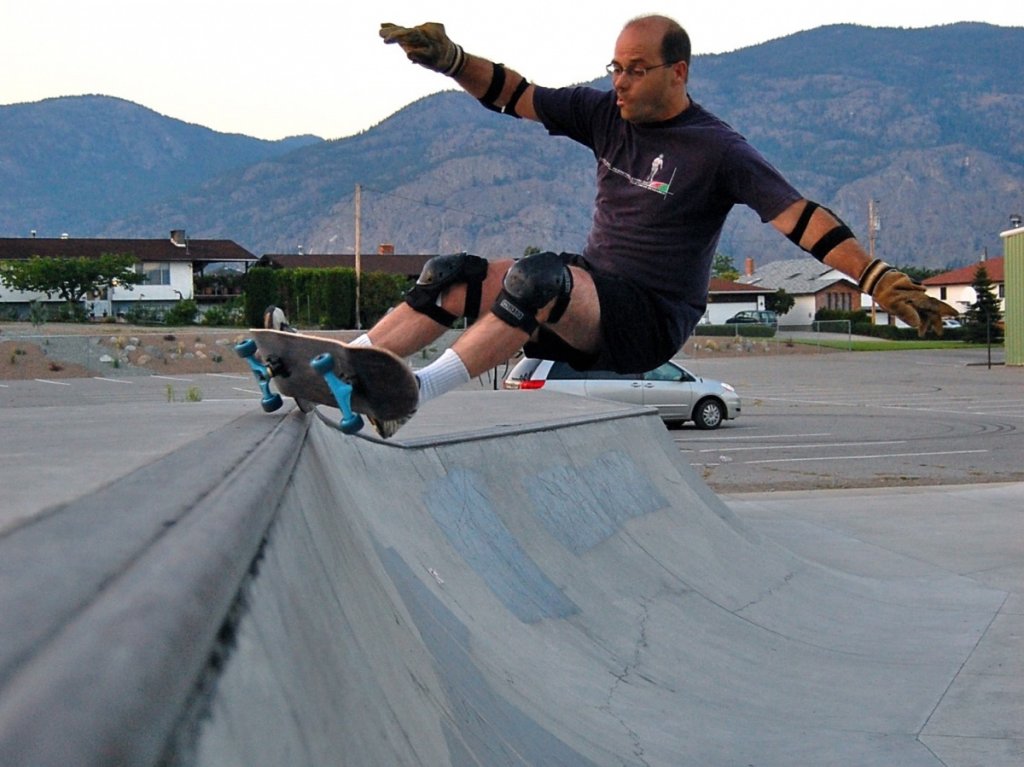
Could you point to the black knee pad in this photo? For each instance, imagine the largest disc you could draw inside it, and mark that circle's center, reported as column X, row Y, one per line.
column 440, row 273
column 529, row 286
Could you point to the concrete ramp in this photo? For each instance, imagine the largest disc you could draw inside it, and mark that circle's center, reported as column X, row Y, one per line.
column 559, row 593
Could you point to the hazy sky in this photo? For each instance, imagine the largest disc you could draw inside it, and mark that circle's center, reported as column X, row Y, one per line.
column 274, row 69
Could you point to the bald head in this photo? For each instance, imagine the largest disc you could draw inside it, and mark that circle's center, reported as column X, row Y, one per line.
column 675, row 43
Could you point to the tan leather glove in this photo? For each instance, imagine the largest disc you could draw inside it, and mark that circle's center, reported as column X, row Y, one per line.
column 898, row 294
column 426, row 45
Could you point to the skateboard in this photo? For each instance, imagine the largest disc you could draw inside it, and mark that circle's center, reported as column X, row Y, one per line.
column 321, row 371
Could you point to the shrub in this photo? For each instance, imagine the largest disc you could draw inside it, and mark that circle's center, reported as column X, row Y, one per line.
column 182, row 313
column 231, row 314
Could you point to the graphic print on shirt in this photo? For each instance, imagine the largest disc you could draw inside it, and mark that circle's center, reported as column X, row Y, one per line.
column 651, row 183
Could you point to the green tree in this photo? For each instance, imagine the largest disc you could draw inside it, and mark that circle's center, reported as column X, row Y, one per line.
column 723, row 267
column 779, row 302
column 983, row 317
column 70, row 278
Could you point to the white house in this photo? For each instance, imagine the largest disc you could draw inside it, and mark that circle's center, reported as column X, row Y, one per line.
column 170, row 264
column 812, row 284
column 956, row 287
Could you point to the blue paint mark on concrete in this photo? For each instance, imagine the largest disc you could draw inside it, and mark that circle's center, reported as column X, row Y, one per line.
column 461, row 506
column 584, row 506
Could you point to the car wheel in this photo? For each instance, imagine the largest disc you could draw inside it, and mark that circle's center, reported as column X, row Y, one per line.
column 708, row 414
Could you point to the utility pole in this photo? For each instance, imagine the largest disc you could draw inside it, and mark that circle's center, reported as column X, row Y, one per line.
column 359, row 270
column 874, row 224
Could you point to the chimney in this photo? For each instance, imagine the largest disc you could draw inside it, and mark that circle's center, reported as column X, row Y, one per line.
column 748, row 266
column 178, row 237
column 385, row 249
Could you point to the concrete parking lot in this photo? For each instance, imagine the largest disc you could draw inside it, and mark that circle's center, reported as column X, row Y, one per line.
column 844, row 420
column 809, row 421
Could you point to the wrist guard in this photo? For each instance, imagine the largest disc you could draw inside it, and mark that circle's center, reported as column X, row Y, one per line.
column 495, row 88
column 828, row 241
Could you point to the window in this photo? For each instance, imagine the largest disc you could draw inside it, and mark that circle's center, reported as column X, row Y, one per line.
column 563, row 371
column 157, row 272
column 611, row 375
column 838, row 301
column 666, row 372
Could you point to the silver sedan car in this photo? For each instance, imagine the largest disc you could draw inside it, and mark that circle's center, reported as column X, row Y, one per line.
column 677, row 393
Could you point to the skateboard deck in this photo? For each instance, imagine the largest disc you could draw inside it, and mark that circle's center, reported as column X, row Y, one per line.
column 313, row 369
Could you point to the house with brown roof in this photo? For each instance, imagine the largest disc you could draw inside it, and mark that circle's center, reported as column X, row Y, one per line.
column 726, row 298
column 956, row 287
column 812, row 284
column 171, row 265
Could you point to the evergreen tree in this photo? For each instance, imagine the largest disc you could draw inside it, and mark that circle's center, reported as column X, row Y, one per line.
column 983, row 317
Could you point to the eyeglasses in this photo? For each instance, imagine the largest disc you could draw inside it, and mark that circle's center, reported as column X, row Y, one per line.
column 637, row 73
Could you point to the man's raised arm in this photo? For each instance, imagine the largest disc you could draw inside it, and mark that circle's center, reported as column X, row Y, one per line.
column 494, row 85
column 820, row 232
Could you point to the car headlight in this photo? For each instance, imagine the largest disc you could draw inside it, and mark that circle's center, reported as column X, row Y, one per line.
column 727, row 387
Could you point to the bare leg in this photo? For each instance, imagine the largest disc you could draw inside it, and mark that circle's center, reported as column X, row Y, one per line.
column 491, row 342
column 487, row 343
column 405, row 331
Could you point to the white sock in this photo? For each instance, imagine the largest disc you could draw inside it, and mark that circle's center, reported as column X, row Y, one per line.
column 442, row 375
column 363, row 340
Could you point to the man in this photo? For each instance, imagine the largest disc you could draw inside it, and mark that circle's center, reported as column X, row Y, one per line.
column 668, row 173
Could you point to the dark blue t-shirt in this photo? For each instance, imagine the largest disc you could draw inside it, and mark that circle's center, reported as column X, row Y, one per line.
column 663, row 191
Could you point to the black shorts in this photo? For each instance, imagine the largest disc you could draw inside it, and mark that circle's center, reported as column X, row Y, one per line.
column 636, row 333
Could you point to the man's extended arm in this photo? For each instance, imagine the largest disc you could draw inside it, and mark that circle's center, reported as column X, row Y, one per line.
column 820, row 232
column 495, row 85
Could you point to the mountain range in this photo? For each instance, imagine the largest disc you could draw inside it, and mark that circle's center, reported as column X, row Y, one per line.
column 927, row 123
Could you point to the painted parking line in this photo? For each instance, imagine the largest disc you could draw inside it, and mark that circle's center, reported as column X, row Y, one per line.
column 172, row 378
column 862, row 457
column 55, row 383
column 112, row 380
column 726, row 437
column 807, row 446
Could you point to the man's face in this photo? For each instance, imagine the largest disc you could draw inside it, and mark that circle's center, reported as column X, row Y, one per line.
column 661, row 93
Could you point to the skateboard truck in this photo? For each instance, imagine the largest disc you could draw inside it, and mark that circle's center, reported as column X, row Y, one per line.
column 342, row 391
column 271, row 400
